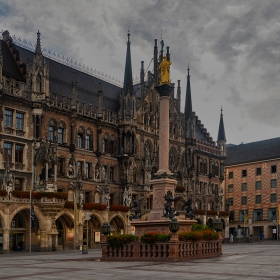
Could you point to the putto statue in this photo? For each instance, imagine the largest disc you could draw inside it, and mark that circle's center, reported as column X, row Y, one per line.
column 169, row 212
column 165, row 71
column 190, row 213
column 137, row 209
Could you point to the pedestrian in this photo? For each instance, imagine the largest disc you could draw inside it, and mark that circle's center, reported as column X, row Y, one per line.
column 262, row 236
column 231, row 239
column 251, row 238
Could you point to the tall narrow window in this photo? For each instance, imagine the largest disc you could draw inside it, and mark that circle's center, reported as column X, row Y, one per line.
column 7, row 151
column 111, row 174
column 19, row 120
column 19, row 153
column 60, row 166
column 258, row 185
column 80, row 140
column 60, row 135
column 273, row 168
column 8, row 118
column 88, row 170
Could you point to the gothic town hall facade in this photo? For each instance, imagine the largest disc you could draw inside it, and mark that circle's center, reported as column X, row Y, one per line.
column 69, row 136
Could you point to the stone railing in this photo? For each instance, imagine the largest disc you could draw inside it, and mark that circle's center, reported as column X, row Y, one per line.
column 167, row 251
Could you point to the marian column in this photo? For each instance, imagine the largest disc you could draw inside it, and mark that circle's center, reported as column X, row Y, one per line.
column 163, row 181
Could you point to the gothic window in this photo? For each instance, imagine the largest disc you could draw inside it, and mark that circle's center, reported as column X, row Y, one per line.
column 88, row 140
column 52, row 128
column 19, row 120
column 80, row 168
column 128, row 108
column 88, row 170
column 19, row 184
column 19, row 153
column 8, row 151
column 61, row 133
column 105, row 145
column 81, row 136
column 8, row 121
column 111, row 174
column 60, row 166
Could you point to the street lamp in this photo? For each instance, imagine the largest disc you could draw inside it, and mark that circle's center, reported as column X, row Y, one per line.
column 218, row 225
column 106, row 228
column 174, row 225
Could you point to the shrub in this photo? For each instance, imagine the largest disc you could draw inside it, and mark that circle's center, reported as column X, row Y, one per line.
column 116, row 241
column 198, row 235
column 3, row 193
column 209, row 235
column 21, row 194
column 94, row 206
column 190, row 236
column 119, row 208
column 153, row 237
column 199, row 227
column 70, row 205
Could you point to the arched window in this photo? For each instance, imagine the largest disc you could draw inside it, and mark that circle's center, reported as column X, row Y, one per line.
column 61, row 132
column 89, row 139
column 52, row 129
column 81, row 137
column 105, row 144
column 112, row 145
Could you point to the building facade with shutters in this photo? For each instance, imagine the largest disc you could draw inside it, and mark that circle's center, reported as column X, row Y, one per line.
column 66, row 131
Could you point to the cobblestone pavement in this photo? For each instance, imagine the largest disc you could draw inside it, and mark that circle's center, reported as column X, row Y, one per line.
column 239, row 261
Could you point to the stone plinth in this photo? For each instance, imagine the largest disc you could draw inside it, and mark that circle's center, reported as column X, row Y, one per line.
column 160, row 226
column 160, row 188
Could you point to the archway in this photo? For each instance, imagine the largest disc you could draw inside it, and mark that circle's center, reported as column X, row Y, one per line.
column 65, row 228
column 118, row 225
column 94, row 226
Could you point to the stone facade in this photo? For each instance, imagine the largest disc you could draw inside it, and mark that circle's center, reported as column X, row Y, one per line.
column 66, row 131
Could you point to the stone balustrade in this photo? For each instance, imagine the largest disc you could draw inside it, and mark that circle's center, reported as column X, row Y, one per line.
column 167, row 251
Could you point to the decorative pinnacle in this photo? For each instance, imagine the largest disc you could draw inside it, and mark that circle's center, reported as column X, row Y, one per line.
column 38, row 45
column 188, row 69
column 128, row 37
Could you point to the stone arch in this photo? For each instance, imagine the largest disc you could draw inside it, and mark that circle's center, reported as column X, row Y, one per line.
column 118, row 222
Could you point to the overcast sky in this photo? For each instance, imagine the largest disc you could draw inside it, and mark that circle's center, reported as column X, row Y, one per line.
column 233, row 48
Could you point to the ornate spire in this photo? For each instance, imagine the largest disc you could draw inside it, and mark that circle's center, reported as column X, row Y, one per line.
column 221, row 133
column 188, row 103
column 128, row 82
column 38, row 45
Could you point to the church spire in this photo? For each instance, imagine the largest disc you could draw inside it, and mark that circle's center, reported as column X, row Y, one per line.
column 221, row 133
column 188, row 103
column 128, row 83
column 38, row 45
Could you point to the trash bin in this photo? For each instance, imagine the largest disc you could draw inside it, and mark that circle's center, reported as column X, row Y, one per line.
column 84, row 249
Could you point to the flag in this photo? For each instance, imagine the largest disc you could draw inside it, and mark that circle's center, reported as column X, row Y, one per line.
column 76, row 212
column 32, row 215
column 246, row 219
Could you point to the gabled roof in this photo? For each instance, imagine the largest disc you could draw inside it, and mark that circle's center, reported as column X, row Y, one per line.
column 252, row 152
column 61, row 77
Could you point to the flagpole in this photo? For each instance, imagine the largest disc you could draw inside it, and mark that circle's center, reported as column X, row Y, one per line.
column 30, row 218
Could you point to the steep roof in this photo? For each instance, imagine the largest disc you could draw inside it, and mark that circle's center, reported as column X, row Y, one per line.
column 10, row 68
column 61, row 77
column 255, row 151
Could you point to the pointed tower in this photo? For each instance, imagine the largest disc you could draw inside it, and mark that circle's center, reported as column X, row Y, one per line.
column 128, row 98
column 222, row 136
column 38, row 73
column 128, row 82
column 190, row 128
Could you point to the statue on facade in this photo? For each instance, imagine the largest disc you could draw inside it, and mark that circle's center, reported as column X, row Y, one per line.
column 165, row 71
column 137, row 209
column 127, row 196
column 8, row 180
column 169, row 211
column 190, row 212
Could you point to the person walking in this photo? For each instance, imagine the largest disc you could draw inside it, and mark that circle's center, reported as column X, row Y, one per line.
column 231, row 239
